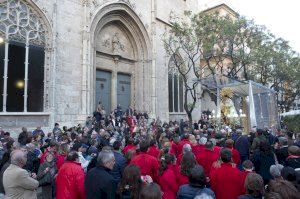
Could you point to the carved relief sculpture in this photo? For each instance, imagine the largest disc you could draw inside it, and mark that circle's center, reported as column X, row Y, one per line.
column 117, row 46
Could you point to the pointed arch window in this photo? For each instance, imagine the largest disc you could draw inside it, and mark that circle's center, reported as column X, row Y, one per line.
column 175, row 86
column 22, row 57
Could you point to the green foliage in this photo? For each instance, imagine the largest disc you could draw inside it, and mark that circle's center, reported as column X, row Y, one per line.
column 237, row 48
column 292, row 123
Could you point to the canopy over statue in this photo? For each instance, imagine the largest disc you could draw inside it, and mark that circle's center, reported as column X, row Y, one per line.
column 242, row 103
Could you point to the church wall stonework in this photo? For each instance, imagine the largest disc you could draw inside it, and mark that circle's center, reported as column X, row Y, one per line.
column 73, row 57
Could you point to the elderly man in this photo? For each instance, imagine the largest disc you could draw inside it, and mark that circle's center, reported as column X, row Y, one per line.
column 99, row 183
column 17, row 181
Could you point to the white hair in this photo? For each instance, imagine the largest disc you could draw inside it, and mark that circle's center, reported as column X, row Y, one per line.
column 186, row 148
column 105, row 156
column 275, row 170
column 203, row 140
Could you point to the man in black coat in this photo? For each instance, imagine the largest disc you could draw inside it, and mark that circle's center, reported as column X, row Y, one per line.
column 120, row 162
column 99, row 183
column 23, row 137
column 242, row 145
column 282, row 152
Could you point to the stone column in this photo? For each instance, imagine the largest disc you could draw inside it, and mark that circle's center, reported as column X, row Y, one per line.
column 114, row 85
column 153, row 63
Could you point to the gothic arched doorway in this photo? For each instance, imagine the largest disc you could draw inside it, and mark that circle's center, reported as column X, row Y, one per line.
column 122, row 70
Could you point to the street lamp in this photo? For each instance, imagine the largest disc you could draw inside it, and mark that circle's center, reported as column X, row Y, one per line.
column 1, row 40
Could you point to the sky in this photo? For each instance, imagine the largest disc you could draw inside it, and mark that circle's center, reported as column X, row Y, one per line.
column 281, row 17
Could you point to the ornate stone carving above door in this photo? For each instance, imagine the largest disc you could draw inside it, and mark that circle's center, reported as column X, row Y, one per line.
column 114, row 41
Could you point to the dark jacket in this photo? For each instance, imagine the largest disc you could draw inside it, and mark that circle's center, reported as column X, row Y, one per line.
column 258, row 140
column 99, row 184
column 92, row 164
column 48, row 177
column 5, row 158
column 249, row 197
column 282, row 154
column 125, row 195
column 190, row 192
column 262, row 163
column 33, row 162
column 118, row 167
column 293, row 162
column 5, row 166
column 242, row 145
column 23, row 138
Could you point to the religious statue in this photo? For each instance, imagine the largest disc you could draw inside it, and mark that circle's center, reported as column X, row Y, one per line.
column 116, row 44
column 228, row 109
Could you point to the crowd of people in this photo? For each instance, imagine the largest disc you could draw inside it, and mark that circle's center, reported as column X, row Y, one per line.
column 125, row 154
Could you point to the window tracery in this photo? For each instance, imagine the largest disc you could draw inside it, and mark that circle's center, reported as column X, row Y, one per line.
column 19, row 22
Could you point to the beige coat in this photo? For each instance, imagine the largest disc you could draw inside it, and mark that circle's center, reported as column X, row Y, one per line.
column 18, row 184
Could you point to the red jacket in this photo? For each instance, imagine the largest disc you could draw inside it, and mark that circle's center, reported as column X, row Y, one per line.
column 206, row 159
column 147, row 164
column 153, row 151
column 179, row 159
column 43, row 156
column 226, row 181
column 217, row 149
column 175, row 149
column 70, row 181
column 168, row 183
column 128, row 148
column 181, row 144
column 235, row 156
column 181, row 179
column 244, row 175
column 60, row 160
column 197, row 149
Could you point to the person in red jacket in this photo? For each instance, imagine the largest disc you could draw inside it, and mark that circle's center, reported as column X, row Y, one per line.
column 199, row 148
column 226, row 180
column 129, row 147
column 207, row 157
column 235, row 153
column 175, row 147
column 70, row 179
column 188, row 162
column 247, row 168
column 52, row 148
column 147, row 163
column 185, row 140
column 153, row 149
column 167, row 177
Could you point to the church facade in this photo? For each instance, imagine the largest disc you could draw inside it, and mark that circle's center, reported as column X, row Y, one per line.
column 60, row 58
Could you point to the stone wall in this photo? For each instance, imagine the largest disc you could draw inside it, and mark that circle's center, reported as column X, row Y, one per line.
column 71, row 66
